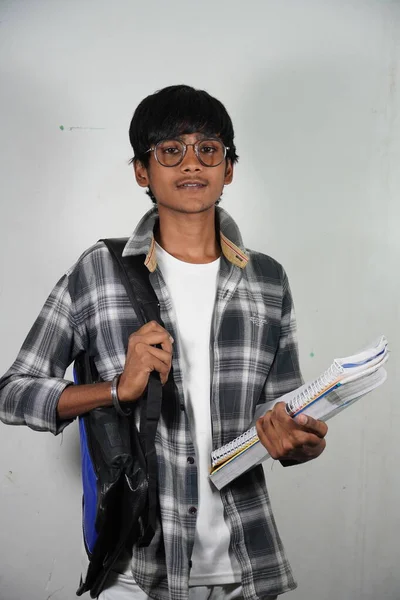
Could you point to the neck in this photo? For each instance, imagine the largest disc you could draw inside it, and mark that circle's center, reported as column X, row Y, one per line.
column 189, row 237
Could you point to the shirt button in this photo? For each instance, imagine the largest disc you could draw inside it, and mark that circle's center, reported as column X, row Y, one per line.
column 190, row 460
column 192, row 510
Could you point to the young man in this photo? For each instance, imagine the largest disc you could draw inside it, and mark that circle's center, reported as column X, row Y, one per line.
column 229, row 335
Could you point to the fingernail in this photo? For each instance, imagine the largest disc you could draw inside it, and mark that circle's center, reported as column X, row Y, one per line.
column 301, row 419
column 171, row 339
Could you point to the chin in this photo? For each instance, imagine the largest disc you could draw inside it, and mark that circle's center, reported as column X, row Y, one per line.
column 189, row 206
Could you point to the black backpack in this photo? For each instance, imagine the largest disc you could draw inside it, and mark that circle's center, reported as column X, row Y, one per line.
column 119, row 462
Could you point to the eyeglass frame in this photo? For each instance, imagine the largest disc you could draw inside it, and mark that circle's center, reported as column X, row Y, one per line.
column 185, row 147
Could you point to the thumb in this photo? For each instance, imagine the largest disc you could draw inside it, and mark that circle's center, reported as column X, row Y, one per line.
column 301, row 420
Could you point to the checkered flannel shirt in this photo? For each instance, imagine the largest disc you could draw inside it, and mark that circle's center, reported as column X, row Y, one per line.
column 254, row 360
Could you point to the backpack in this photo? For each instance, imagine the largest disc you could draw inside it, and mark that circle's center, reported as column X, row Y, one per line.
column 119, row 462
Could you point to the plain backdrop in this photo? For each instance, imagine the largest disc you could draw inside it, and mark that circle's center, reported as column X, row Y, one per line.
column 313, row 91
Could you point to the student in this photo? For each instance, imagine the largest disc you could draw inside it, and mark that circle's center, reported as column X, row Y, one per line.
column 229, row 335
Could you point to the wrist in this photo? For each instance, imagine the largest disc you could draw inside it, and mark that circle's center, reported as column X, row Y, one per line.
column 115, row 398
column 122, row 393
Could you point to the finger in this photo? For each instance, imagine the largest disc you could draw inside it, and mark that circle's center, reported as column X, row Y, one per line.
column 307, row 452
column 302, row 438
column 160, row 354
column 320, row 448
column 314, row 426
column 151, row 326
column 152, row 363
column 294, row 435
column 304, row 421
column 279, row 413
column 284, row 424
column 321, row 445
column 151, row 338
column 268, row 436
column 167, row 345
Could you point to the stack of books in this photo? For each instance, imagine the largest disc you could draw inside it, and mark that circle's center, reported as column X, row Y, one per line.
column 342, row 384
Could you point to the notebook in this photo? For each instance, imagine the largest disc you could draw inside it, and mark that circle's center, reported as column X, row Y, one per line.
column 342, row 384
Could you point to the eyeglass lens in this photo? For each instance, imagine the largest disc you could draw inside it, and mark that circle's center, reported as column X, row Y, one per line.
column 210, row 153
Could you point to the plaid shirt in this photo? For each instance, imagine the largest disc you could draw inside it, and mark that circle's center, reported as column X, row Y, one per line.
column 254, row 360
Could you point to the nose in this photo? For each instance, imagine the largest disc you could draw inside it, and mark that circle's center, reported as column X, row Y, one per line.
column 190, row 162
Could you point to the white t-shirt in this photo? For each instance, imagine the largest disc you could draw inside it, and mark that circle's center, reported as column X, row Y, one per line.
column 192, row 289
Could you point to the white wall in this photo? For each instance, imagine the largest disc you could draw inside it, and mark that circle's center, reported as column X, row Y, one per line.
column 313, row 90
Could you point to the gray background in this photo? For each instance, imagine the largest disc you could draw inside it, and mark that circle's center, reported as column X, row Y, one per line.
column 313, row 91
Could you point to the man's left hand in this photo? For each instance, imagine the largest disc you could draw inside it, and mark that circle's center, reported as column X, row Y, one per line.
column 291, row 440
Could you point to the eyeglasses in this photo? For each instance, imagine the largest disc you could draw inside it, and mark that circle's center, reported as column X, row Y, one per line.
column 170, row 153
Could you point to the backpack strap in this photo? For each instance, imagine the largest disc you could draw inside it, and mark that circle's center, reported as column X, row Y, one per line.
column 135, row 277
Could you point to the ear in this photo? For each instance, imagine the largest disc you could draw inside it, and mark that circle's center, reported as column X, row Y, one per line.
column 141, row 174
column 228, row 172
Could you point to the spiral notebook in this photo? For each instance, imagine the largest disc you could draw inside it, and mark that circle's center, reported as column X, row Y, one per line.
column 342, row 384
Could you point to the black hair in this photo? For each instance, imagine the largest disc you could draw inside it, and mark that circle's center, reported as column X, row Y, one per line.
column 178, row 110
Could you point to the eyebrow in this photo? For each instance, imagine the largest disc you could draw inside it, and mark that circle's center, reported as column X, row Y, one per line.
column 199, row 136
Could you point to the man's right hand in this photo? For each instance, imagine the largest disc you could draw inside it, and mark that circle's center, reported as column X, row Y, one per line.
column 142, row 358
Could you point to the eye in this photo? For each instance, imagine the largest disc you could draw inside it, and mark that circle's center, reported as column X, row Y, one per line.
column 170, row 148
column 209, row 147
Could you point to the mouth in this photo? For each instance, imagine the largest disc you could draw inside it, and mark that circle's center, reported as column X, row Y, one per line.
column 191, row 185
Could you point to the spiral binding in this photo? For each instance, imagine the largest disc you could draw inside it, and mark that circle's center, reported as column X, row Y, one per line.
column 240, row 443
column 315, row 388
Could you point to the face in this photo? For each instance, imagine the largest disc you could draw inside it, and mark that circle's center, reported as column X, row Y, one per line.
column 190, row 187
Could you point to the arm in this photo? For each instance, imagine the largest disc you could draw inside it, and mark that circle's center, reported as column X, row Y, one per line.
column 30, row 390
column 289, row 440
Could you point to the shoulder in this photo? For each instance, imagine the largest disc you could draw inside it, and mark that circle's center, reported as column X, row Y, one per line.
column 88, row 259
column 262, row 266
column 88, row 256
column 97, row 254
column 94, row 268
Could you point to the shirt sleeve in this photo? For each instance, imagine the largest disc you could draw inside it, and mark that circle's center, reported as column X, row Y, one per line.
column 285, row 374
column 31, row 388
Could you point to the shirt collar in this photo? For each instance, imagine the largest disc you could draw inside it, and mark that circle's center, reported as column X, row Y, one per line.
column 142, row 240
